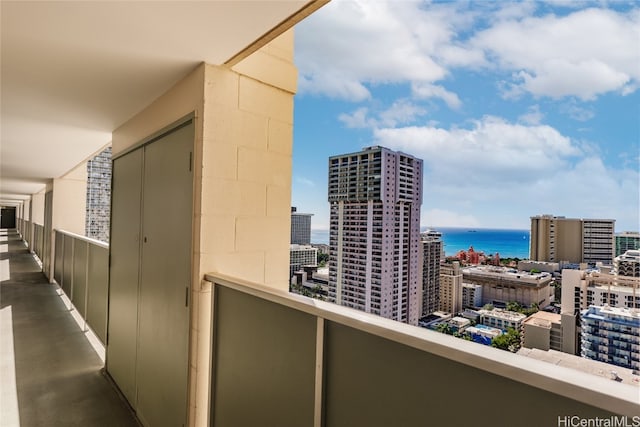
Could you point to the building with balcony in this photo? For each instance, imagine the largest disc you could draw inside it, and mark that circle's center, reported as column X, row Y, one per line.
column 374, row 261
column 627, row 264
column 451, row 288
column 184, row 318
column 574, row 240
column 431, row 259
column 501, row 285
column 611, row 335
column 501, row 319
column 99, row 196
column 584, row 288
column 302, row 256
column 471, row 295
column 626, row 241
column 300, row 227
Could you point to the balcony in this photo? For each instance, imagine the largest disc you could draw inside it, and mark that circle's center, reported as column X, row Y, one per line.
column 330, row 363
column 248, row 353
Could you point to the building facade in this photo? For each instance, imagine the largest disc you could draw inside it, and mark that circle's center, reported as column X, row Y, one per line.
column 431, row 258
column 374, row 262
column 556, row 238
column 301, row 256
column 98, row 196
column 501, row 319
column 543, row 330
column 611, row 335
column 451, row 288
column 627, row 264
column 627, row 241
column 300, row 227
column 471, row 295
column 501, row 285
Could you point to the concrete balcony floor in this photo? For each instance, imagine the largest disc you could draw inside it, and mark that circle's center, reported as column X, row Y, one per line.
column 50, row 375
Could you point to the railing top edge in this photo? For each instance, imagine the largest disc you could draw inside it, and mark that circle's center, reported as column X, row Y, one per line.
column 562, row 380
column 84, row 238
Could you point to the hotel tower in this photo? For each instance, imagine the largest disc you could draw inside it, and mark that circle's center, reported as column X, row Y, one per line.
column 374, row 262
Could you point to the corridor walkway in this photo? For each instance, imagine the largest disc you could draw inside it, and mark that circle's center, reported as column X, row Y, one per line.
column 49, row 373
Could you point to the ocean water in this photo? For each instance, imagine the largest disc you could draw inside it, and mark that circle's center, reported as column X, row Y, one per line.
column 508, row 243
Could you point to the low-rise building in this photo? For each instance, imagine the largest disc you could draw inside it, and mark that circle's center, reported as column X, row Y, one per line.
column 543, row 330
column 483, row 334
column 501, row 319
column 501, row 285
column 611, row 335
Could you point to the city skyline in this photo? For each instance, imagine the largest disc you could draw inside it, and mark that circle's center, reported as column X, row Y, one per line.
column 517, row 109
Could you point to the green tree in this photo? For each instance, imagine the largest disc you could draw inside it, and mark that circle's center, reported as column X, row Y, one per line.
column 509, row 341
column 444, row 328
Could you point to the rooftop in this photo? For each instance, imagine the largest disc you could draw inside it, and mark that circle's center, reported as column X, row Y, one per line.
column 593, row 367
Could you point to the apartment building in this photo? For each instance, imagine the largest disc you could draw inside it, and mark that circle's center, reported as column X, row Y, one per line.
column 501, row 319
column 611, row 335
column 301, row 256
column 374, row 261
column 627, row 264
column 627, row 241
column 300, row 227
column 575, row 240
column 471, row 295
column 431, row 258
column 543, row 330
column 451, row 288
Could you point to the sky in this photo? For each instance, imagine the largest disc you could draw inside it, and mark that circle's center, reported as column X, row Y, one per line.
column 517, row 108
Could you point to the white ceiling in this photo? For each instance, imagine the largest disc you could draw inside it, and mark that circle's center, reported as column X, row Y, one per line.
column 72, row 72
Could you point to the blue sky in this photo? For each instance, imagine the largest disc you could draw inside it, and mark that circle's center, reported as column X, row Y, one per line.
column 516, row 108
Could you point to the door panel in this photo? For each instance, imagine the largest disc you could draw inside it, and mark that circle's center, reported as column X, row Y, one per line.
column 124, row 272
column 163, row 341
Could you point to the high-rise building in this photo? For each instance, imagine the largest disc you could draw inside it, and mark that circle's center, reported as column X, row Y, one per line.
column 451, row 288
column 98, row 196
column 300, row 227
column 374, row 262
column 556, row 238
column 627, row 241
column 431, row 257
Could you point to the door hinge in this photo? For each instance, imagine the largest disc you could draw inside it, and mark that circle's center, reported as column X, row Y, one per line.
column 190, row 161
column 186, row 296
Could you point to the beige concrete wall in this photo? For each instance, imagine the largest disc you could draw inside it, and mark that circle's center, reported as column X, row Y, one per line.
column 535, row 336
column 569, row 240
column 246, row 166
column 183, row 98
column 37, row 208
column 70, row 200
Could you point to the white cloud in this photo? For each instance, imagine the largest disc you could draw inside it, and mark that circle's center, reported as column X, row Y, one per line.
column 584, row 54
column 447, row 218
column 499, row 174
column 576, row 112
column 305, row 181
column 427, row 90
column 376, row 42
column 401, row 112
column 532, row 117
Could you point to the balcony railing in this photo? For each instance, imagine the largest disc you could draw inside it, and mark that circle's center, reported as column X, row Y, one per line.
column 81, row 268
column 286, row 360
